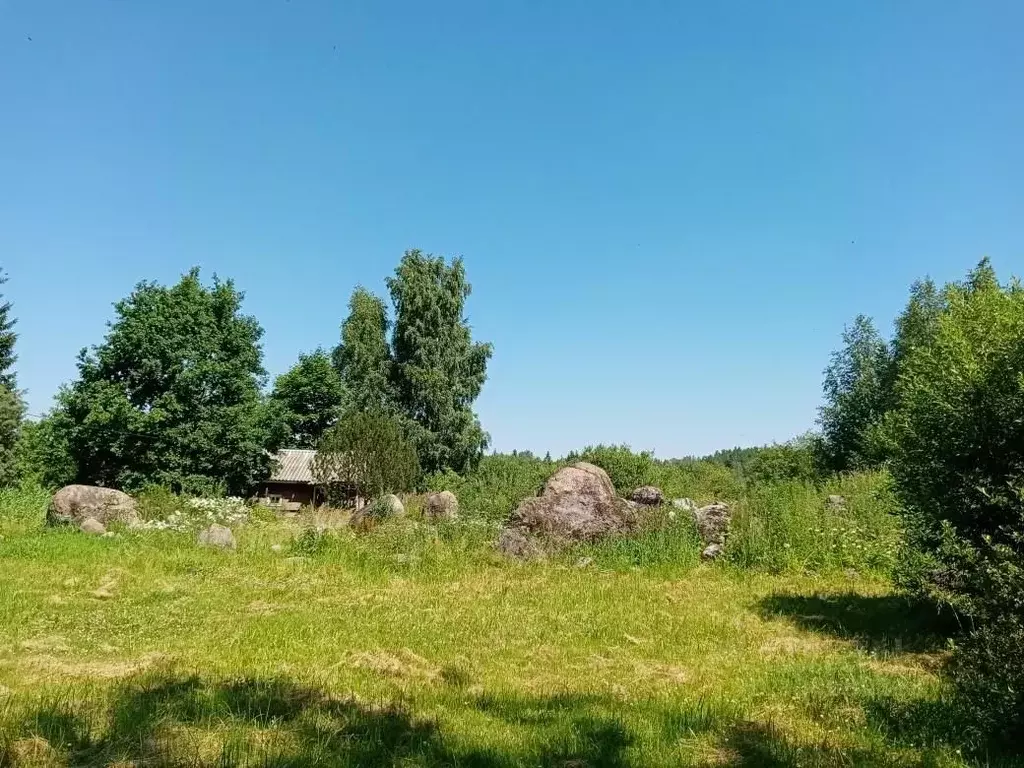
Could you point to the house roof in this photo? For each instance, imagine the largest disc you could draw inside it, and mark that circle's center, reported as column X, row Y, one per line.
column 293, row 465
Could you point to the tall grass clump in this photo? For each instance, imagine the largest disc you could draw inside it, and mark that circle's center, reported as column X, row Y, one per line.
column 791, row 525
column 22, row 508
column 496, row 487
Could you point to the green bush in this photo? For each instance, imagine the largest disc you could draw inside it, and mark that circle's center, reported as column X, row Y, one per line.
column 23, row 508
column 703, row 481
column 956, row 439
column 369, row 451
column 626, row 469
column 496, row 486
column 779, row 463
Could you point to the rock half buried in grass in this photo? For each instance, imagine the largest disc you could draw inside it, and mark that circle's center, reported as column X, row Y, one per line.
column 92, row 527
column 441, row 506
column 648, row 496
column 713, row 523
column 516, row 543
column 217, row 536
column 577, row 504
column 73, row 504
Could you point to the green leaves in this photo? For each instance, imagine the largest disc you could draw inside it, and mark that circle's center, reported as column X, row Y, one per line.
column 311, row 396
column 363, row 358
column 367, row 450
column 173, row 394
column 431, row 372
column 438, row 369
column 857, row 391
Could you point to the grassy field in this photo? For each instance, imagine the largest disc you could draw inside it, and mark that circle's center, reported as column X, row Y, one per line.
column 417, row 646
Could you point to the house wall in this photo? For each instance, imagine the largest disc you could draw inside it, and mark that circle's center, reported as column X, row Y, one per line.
column 285, row 496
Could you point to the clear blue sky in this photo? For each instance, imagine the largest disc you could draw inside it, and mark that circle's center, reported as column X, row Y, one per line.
column 667, row 210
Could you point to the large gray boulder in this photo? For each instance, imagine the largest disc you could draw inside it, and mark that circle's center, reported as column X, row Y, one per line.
column 217, row 537
column 648, row 496
column 74, row 504
column 713, row 523
column 578, row 503
column 441, row 506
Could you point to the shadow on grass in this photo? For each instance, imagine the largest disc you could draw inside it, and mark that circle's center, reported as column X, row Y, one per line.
column 884, row 624
column 160, row 721
column 164, row 720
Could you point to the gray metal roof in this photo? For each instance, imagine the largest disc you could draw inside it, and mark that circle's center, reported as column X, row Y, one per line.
column 294, row 465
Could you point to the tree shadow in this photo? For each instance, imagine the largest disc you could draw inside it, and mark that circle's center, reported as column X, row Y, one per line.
column 159, row 720
column 762, row 745
column 884, row 624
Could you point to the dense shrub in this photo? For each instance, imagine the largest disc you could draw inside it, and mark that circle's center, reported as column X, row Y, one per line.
column 703, row 481
column 494, row 488
column 42, row 454
column 22, row 508
column 369, row 451
column 627, row 470
column 956, row 440
column 779, row 463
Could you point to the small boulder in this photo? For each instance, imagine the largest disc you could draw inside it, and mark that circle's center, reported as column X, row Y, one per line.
column 392, row 505
column 367, row 517
column 441, row 506
column 687, row 505
column 218, row 537
column 648, row 496
column 835, row 502
column 713, row 527
column 711, row 552
column 515, row 543
column 92, row 527
column 73, row 504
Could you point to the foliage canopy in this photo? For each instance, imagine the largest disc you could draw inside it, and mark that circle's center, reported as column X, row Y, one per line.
column 173, row 394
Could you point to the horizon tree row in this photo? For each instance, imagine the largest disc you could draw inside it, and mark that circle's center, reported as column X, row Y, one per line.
column 174, row 394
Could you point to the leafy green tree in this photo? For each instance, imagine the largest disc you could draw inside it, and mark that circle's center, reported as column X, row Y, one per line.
column 7, row 340
column 780, row 463
column 12, row 408
column 627, row 470
column 11, row 412
column 367, row 450
column 438, row 370
column 363, row 358
column 857, row 392
column 42, row 455
column 958, row 461
column 917, row 324
column 311, row 395
column 173, row 395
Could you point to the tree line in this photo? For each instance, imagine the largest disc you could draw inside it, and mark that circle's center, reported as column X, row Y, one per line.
column 940, row 406
column 174, row 395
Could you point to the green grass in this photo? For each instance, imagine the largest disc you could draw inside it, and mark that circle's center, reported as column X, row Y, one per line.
column 417, row 646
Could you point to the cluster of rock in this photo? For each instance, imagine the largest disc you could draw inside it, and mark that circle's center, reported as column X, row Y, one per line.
column 579, row 504
column 91, row 509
